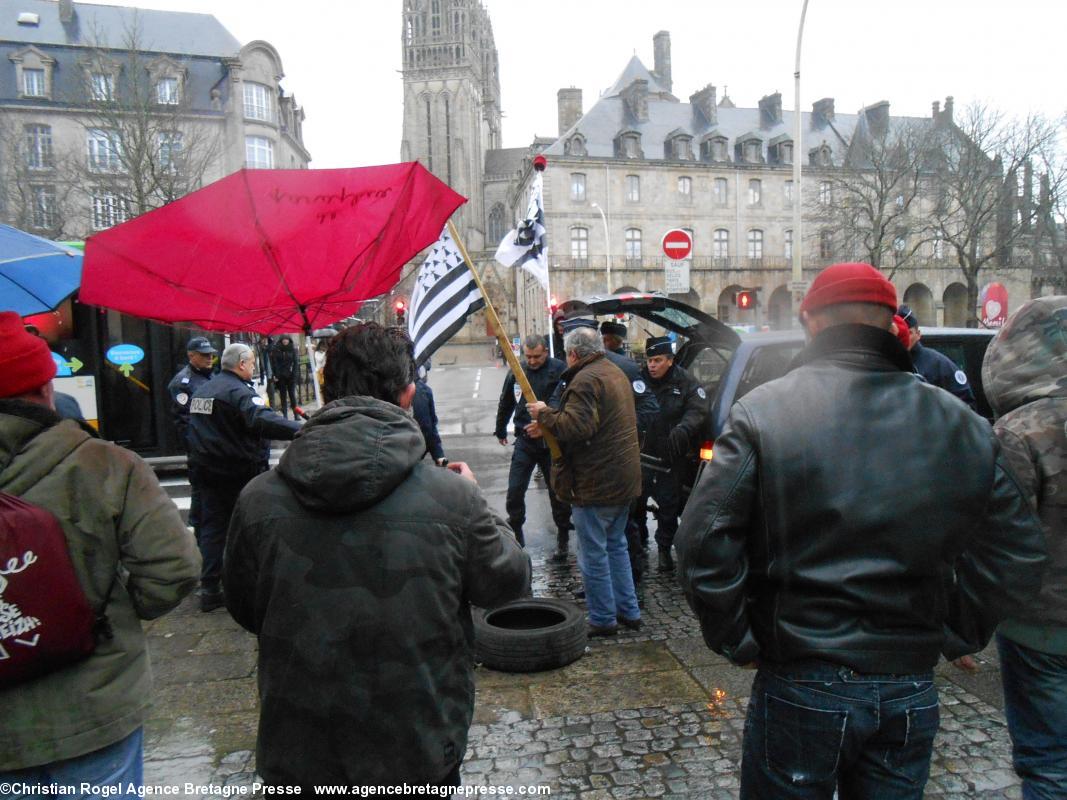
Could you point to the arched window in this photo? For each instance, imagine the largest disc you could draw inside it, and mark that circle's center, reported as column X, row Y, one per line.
column 633, row 247
column 755, row 245
column 497, row 225
column 580, row 246
column 721, row 246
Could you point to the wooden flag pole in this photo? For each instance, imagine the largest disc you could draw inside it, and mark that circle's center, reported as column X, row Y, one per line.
column 505, row 345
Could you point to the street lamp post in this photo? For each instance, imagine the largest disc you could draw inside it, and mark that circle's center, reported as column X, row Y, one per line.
column 798, row 238
column 607, row 244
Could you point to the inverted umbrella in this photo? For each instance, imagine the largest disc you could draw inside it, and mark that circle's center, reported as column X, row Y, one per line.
column 36, row 275
column 269, row 251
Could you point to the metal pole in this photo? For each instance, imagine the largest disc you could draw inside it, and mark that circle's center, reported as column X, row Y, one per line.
column 798, row 237
column 607, row 244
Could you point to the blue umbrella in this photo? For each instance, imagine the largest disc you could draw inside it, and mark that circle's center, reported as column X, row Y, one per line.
column 36, row 275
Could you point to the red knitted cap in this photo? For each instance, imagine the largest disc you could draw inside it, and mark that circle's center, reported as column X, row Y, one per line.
column 903, row 331
column 25, row 361
column 849, row 283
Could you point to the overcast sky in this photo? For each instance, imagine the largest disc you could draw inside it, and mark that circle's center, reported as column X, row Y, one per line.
column 342, row 58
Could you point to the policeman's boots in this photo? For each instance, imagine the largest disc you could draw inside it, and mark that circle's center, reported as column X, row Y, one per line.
column 562, row 542
column 666, row 563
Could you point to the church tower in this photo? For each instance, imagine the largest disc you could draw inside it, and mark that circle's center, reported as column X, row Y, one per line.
column 452, row 99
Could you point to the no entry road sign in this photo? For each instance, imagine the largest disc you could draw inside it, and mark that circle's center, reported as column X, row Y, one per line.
column 677, row 244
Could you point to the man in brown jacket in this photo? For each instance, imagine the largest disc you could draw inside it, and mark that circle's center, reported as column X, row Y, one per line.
column 599, row 474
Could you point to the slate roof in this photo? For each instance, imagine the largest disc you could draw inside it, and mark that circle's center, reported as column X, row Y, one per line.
column 609, row 116
column 176, row 32
column 505, row 161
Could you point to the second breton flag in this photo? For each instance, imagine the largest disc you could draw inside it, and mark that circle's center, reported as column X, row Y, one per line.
column 445, row 294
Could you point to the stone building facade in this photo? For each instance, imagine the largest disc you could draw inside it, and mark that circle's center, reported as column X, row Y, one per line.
column 641, row 161
column 177, row 83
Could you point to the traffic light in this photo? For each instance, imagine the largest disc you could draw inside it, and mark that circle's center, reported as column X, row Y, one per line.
column 553, row 304
column 746, row 299
column 400, row 307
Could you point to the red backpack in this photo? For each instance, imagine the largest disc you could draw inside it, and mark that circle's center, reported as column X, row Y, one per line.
column 46, row 621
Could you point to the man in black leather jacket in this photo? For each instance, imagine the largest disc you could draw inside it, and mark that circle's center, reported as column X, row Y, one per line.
column 800, row 557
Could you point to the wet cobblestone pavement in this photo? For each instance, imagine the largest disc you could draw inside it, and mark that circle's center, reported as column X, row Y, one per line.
column 651, row 713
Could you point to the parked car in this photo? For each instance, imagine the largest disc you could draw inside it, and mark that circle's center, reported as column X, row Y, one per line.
column 729, row 364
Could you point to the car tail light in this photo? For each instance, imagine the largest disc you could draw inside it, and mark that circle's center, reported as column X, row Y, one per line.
column 707, row 451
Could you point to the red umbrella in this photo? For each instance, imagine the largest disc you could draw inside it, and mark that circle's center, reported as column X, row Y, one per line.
column 269, row 251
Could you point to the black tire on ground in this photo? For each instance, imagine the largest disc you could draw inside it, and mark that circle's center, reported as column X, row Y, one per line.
column 529, row 635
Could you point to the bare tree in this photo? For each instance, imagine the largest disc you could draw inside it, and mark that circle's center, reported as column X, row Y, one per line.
column 1049, row 242
column 147, row 144
column 977, row 164
column 34, row 192
column 872, row 203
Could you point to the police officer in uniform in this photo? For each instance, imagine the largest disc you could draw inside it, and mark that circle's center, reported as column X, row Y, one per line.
column 230, row 430
column 936, row 368
column 185, row 383
column 530, row 450
column 673, row 440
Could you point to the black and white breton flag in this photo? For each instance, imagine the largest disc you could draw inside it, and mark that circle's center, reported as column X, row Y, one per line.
column 525, row 246
column 445, row 294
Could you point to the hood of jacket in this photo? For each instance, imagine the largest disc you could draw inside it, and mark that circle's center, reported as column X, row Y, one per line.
column 352, row 454
column 20, row 424
column 1027, row 360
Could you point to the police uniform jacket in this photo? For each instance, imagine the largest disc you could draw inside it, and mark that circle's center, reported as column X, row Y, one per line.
column 543, row 381
column 645, row 405
column 683, row 407
column 181, row 389
column 230, row 427
column 940, row 370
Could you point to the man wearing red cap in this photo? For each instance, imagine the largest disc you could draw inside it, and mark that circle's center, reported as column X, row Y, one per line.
column 842, row 587
column 133, row 557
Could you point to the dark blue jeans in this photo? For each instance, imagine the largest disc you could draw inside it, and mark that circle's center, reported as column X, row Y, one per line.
column 525, row 456
column 218, row 493
column 119, row 767
column 1035, row 698
column 814, row 727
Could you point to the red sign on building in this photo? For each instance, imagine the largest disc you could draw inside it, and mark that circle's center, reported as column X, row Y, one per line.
column 677, row 244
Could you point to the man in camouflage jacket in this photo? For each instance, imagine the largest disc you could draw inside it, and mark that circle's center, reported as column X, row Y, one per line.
column 1025, row 377
column 356, row 562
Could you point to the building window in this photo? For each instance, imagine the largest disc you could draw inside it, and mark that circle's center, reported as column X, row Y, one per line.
column 721, row 245
column 580, row 244
column 787, row 194
column 753, row 151
column 575, row 146
column 826, row 193
column 259, row 102
column 685, row 187
column 578, row 187
column 755, row 192
column 718, row 150
column 167, row 91
column 681, row 148
column 755, row 245
column 692, row 238
column 108, row 209
column 900, row 243
column 102, row 87
column 33, row 83
column 170, row 151
column 788, row 246
column 938, row 246
column 633, row 246
column 38, row 146
column 631, row 146
column 633, row 188
column 826, row 244
column 719, row 191
column 497, row 229
column 44, row 206
column 259, row 152
column 785, row 152
column 105, row 151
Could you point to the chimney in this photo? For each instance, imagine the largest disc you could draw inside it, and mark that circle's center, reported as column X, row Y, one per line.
column 878, row 118
column 661, row 47
column 770, row 110
column 948, row 108
column 66, row 11
column 822, row 113
column 569, row 108
column 704, row 101
column 936, row 110
column 636, row 98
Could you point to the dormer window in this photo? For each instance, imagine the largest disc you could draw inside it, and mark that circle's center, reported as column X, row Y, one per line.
column 714, row 148
column 752, row 152
column 785, row 153
column 780, row 150
column 820, row 156
column 102, row 87
column 167, row 91
column 628, row 145
column 33, row 84
column 33, row 72
column 678, row 147
column 575, row 146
